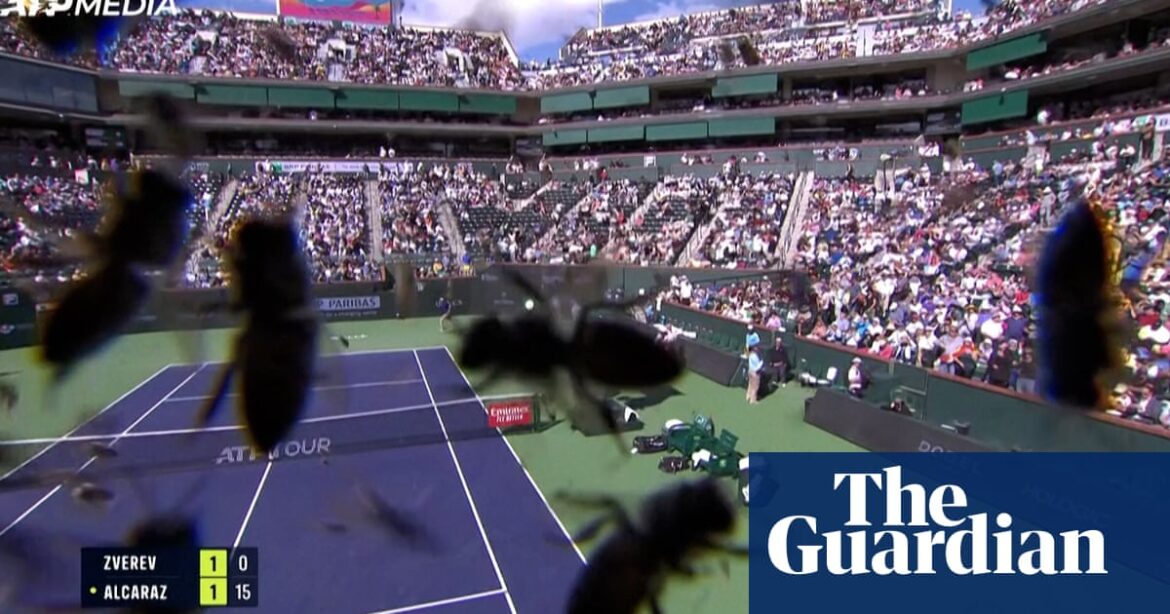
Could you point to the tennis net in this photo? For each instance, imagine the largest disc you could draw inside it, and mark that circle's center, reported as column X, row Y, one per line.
column 34, row 463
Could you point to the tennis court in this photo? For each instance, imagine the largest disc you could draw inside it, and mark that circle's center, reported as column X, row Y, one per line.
column 412, row 430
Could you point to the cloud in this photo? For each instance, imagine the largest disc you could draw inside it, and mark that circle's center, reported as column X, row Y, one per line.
column 529, row 23
column 672, row 9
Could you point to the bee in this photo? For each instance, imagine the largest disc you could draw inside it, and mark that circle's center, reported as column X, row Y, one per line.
column 609, row 352
column 147, row 227
column 9, row 394
column 629, row 568
column 68, row 35
column 276, row 351
column 1080, row 330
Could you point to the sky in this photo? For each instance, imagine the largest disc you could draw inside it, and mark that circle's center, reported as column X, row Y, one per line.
column 538, row 28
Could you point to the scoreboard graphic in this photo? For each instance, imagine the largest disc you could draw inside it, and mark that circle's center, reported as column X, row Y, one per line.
column 169, row 579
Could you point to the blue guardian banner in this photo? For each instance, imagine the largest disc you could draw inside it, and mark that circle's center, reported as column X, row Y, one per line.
column 959, row 532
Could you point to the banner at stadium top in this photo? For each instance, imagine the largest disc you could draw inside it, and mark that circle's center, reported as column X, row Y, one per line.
column 358, row 11
column 1012, row 533
column 330, row 167
column 1162, row 123
column 253, row 7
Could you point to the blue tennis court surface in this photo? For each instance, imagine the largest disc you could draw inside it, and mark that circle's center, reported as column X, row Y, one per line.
column 497, row 546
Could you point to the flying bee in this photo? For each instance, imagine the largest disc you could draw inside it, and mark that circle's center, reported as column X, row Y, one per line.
column 630, row 567
column 68, row 35
column 1080, row 328
column 610, row 352
column 275, row 353
column 146, row 228
column 9, row 394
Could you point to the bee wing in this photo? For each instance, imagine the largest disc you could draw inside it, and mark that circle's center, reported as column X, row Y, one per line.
column 362, row 507
column 332, row 384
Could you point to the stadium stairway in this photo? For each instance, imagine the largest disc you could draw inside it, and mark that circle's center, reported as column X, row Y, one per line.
column 374, row 214
column 794, row 221
column 727, row 200
column 226, row 196
column 451, row 225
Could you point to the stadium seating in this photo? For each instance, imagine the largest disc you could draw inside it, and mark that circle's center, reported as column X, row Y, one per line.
column 202, row 43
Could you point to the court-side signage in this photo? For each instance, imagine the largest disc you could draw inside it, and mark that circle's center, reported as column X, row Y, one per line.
column 508, row 414
column 959, row 532
column 350, row 304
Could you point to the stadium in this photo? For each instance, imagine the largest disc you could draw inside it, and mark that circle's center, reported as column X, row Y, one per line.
column 832, row 213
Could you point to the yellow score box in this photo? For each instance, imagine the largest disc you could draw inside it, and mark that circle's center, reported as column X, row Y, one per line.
column 213, row 592
column 213, row 563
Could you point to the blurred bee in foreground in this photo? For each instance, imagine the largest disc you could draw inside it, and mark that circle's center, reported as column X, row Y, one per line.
column 629, row 569
column 9, row 394
column 67, row 34
column 1081, row 334
column 610, row 352
column 146, row 228
column 276, row 351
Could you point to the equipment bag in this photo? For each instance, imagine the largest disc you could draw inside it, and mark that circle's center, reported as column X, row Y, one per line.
column 649, row 444
column 674, row 464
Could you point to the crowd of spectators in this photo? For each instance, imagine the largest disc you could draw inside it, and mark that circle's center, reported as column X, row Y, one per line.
column 936, row 273
column 658, row 232
column 335, row 228
column 411, row 198
column 783, row 32
column 745, row 233
column 582, row 232
column 257, row 195
column 49, row 211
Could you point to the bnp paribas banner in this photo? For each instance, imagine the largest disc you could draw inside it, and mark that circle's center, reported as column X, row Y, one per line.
column 360, row 11
column 1010, row 533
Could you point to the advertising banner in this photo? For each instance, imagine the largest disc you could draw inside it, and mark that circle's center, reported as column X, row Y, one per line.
column 342, row 307
column 509, row 414
column 357, row 11
column 1013, row 533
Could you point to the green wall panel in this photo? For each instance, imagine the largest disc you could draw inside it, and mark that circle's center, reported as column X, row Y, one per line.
column 676, row 132
column 367, row 99
column 132, row 89
column 566, row 103
column 301, row 97
column 621, row 97
column 238, row 95
column 481, row 103
column 428, row 101
column 744, row 86
column 565, row 137
column 618, row 133
column 995, row 107
column 741, row 127
column 1007, row 51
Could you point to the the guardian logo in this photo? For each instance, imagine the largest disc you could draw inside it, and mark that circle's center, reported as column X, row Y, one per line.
column 91, row 8
column 925, row 533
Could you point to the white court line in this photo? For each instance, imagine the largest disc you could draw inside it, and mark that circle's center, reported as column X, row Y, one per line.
column 390, row 382
column 237, row 427
column 539, row 492
column 89, row 462
column 53, row 441
column 466, row 490
column 252, row 506
column 431, row 604
column 328, row 356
